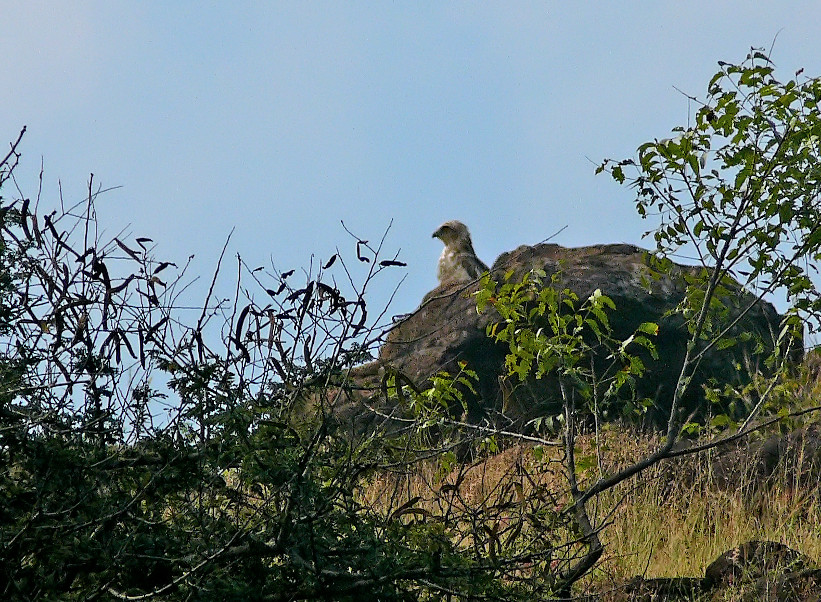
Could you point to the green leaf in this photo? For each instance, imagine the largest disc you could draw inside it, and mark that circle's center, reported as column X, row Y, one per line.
column 785, row 213
column 722, row 421
column 650, row 328
column 693, row 162
column 726, row 343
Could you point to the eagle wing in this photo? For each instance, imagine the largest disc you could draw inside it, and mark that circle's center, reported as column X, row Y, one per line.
column 472, row 265
column 459, row 266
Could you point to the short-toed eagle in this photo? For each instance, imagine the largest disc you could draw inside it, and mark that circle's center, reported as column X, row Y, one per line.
column 458, row 262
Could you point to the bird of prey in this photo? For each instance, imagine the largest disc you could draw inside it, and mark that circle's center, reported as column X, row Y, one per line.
column 458, row 262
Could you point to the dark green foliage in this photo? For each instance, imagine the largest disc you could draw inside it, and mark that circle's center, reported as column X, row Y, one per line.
column 143, row 456
column 739, row 187
column 550, row 332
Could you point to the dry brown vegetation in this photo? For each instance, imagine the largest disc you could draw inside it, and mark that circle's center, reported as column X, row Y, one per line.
column 671, row 521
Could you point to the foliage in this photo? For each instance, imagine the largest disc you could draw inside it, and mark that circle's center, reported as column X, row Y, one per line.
column 740, row 186
column 145, row 454
column 548, row 331
column 148, row 455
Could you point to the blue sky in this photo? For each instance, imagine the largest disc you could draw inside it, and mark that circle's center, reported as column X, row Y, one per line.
column 283, row 119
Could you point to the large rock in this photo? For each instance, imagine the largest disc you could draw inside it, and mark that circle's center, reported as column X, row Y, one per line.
column 755, row 571
column 790, row 460
column 446, row 332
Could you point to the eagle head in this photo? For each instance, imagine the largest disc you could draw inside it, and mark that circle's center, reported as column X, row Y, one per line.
column 451, row 232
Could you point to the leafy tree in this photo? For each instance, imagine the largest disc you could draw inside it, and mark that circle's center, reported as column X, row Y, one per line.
column 739, row 188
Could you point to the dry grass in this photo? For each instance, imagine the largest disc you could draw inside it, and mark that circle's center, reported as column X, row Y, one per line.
column 673, row 520
column 665, row 531
column 679, row 516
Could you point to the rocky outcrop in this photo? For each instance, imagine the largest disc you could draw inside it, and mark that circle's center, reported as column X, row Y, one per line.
column 754, row 560
column 446, row 333
column 755, row 571
column 791, row 460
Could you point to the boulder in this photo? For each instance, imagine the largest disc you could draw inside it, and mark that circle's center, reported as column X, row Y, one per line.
column 754, row 560
column 790, row 460
column 446, row 333
column 755, row 571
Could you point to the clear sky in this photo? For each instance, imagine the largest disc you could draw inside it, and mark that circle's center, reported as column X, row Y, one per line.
column 282, row 119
